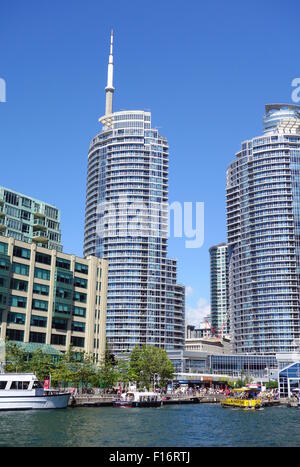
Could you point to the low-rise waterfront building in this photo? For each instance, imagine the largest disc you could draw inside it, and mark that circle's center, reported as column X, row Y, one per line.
column 213, row 345
column 232, row 365
column 52, row 298
column 29, row 220
column 289, row 380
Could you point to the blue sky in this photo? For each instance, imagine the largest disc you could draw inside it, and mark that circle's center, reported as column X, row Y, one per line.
column 204, row 69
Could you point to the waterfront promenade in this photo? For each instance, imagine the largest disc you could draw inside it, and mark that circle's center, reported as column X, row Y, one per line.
column 197, row 397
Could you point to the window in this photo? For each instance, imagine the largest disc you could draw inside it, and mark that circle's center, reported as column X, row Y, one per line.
column 17, row 284
column 58, row 339
column 16, row 318
column 39, row 305
column 15, row 334
column 79, row 282
column 51, row 212
column 52, row 225
column 19, row 385
column 42, row 274
column 83, row 268
column 3, row 248
column 40, row 289
column 78, row 311
column 21, row 269
column 3, row 282
column 21, row 252
column 19, row 302
column 26, row 202
column 62, row 308
column 25, row 215
column 63, row 263
column 78, row 326
column 64, row 277
column 77, row 341
column 40, row 321
column 80, row 297
column 11, row 198
column 25, row 228
column 39, row 337
column 3, row 299
column 60, row 323
column 63, row 293
column 3, row 384
column 37, row 384
column 43, row 258
column 4, row 264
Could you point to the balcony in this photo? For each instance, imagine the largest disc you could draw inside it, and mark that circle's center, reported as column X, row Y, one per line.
column 39, row 225
column 38, row 214
column 39, row 236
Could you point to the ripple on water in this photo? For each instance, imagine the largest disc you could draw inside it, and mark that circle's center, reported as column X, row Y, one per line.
column 181, row 425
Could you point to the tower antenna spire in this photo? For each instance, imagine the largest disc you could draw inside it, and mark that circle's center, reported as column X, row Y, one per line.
column 109, row 90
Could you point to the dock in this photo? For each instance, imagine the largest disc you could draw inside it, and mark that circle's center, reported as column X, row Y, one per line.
column 106, row 401
column 91, row 401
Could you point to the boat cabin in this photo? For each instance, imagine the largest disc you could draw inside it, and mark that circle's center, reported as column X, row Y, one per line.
column 19, row 381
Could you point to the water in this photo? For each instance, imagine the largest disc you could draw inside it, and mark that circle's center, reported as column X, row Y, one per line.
column 181, row 425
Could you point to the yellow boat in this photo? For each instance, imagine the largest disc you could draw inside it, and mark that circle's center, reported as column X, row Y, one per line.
column 243, row 398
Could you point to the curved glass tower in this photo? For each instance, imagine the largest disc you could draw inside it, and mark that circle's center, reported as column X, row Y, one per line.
column 263, row 227
column 126, row 223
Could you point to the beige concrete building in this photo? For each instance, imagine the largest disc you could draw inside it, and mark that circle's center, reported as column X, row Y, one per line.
column 211, row 345
column 52, row 298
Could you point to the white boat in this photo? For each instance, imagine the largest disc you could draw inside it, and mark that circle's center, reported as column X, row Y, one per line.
column 139, row 399
column 23, row 391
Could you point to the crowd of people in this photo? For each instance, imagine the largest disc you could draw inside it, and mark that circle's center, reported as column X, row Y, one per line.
column 202, row 391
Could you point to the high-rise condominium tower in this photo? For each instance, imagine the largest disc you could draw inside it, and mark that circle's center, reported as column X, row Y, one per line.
column 219, row 289
column 263, row 226
column 126, row 223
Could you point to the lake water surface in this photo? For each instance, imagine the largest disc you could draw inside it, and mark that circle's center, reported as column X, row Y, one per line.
column 175, row 425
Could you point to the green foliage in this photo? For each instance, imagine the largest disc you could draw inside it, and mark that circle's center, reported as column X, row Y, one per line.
column 16, row 359
column 107, row 375
column 40, row 364
column 67, row 369
column 149, row 364
column 273, row 384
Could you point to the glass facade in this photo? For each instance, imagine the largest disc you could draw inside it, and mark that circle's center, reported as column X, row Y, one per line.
column 263, row 227
column 219, row 305
column 238, row 365
column 234, row 365
column 29, row 220
column 289, row 380
column 127, row 184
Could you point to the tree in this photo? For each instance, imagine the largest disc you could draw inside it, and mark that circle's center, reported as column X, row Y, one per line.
column 40, row 364
column 149, row 364
column 125, row 372
column 16, row 358
column 107, row 375
column 273, row 384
